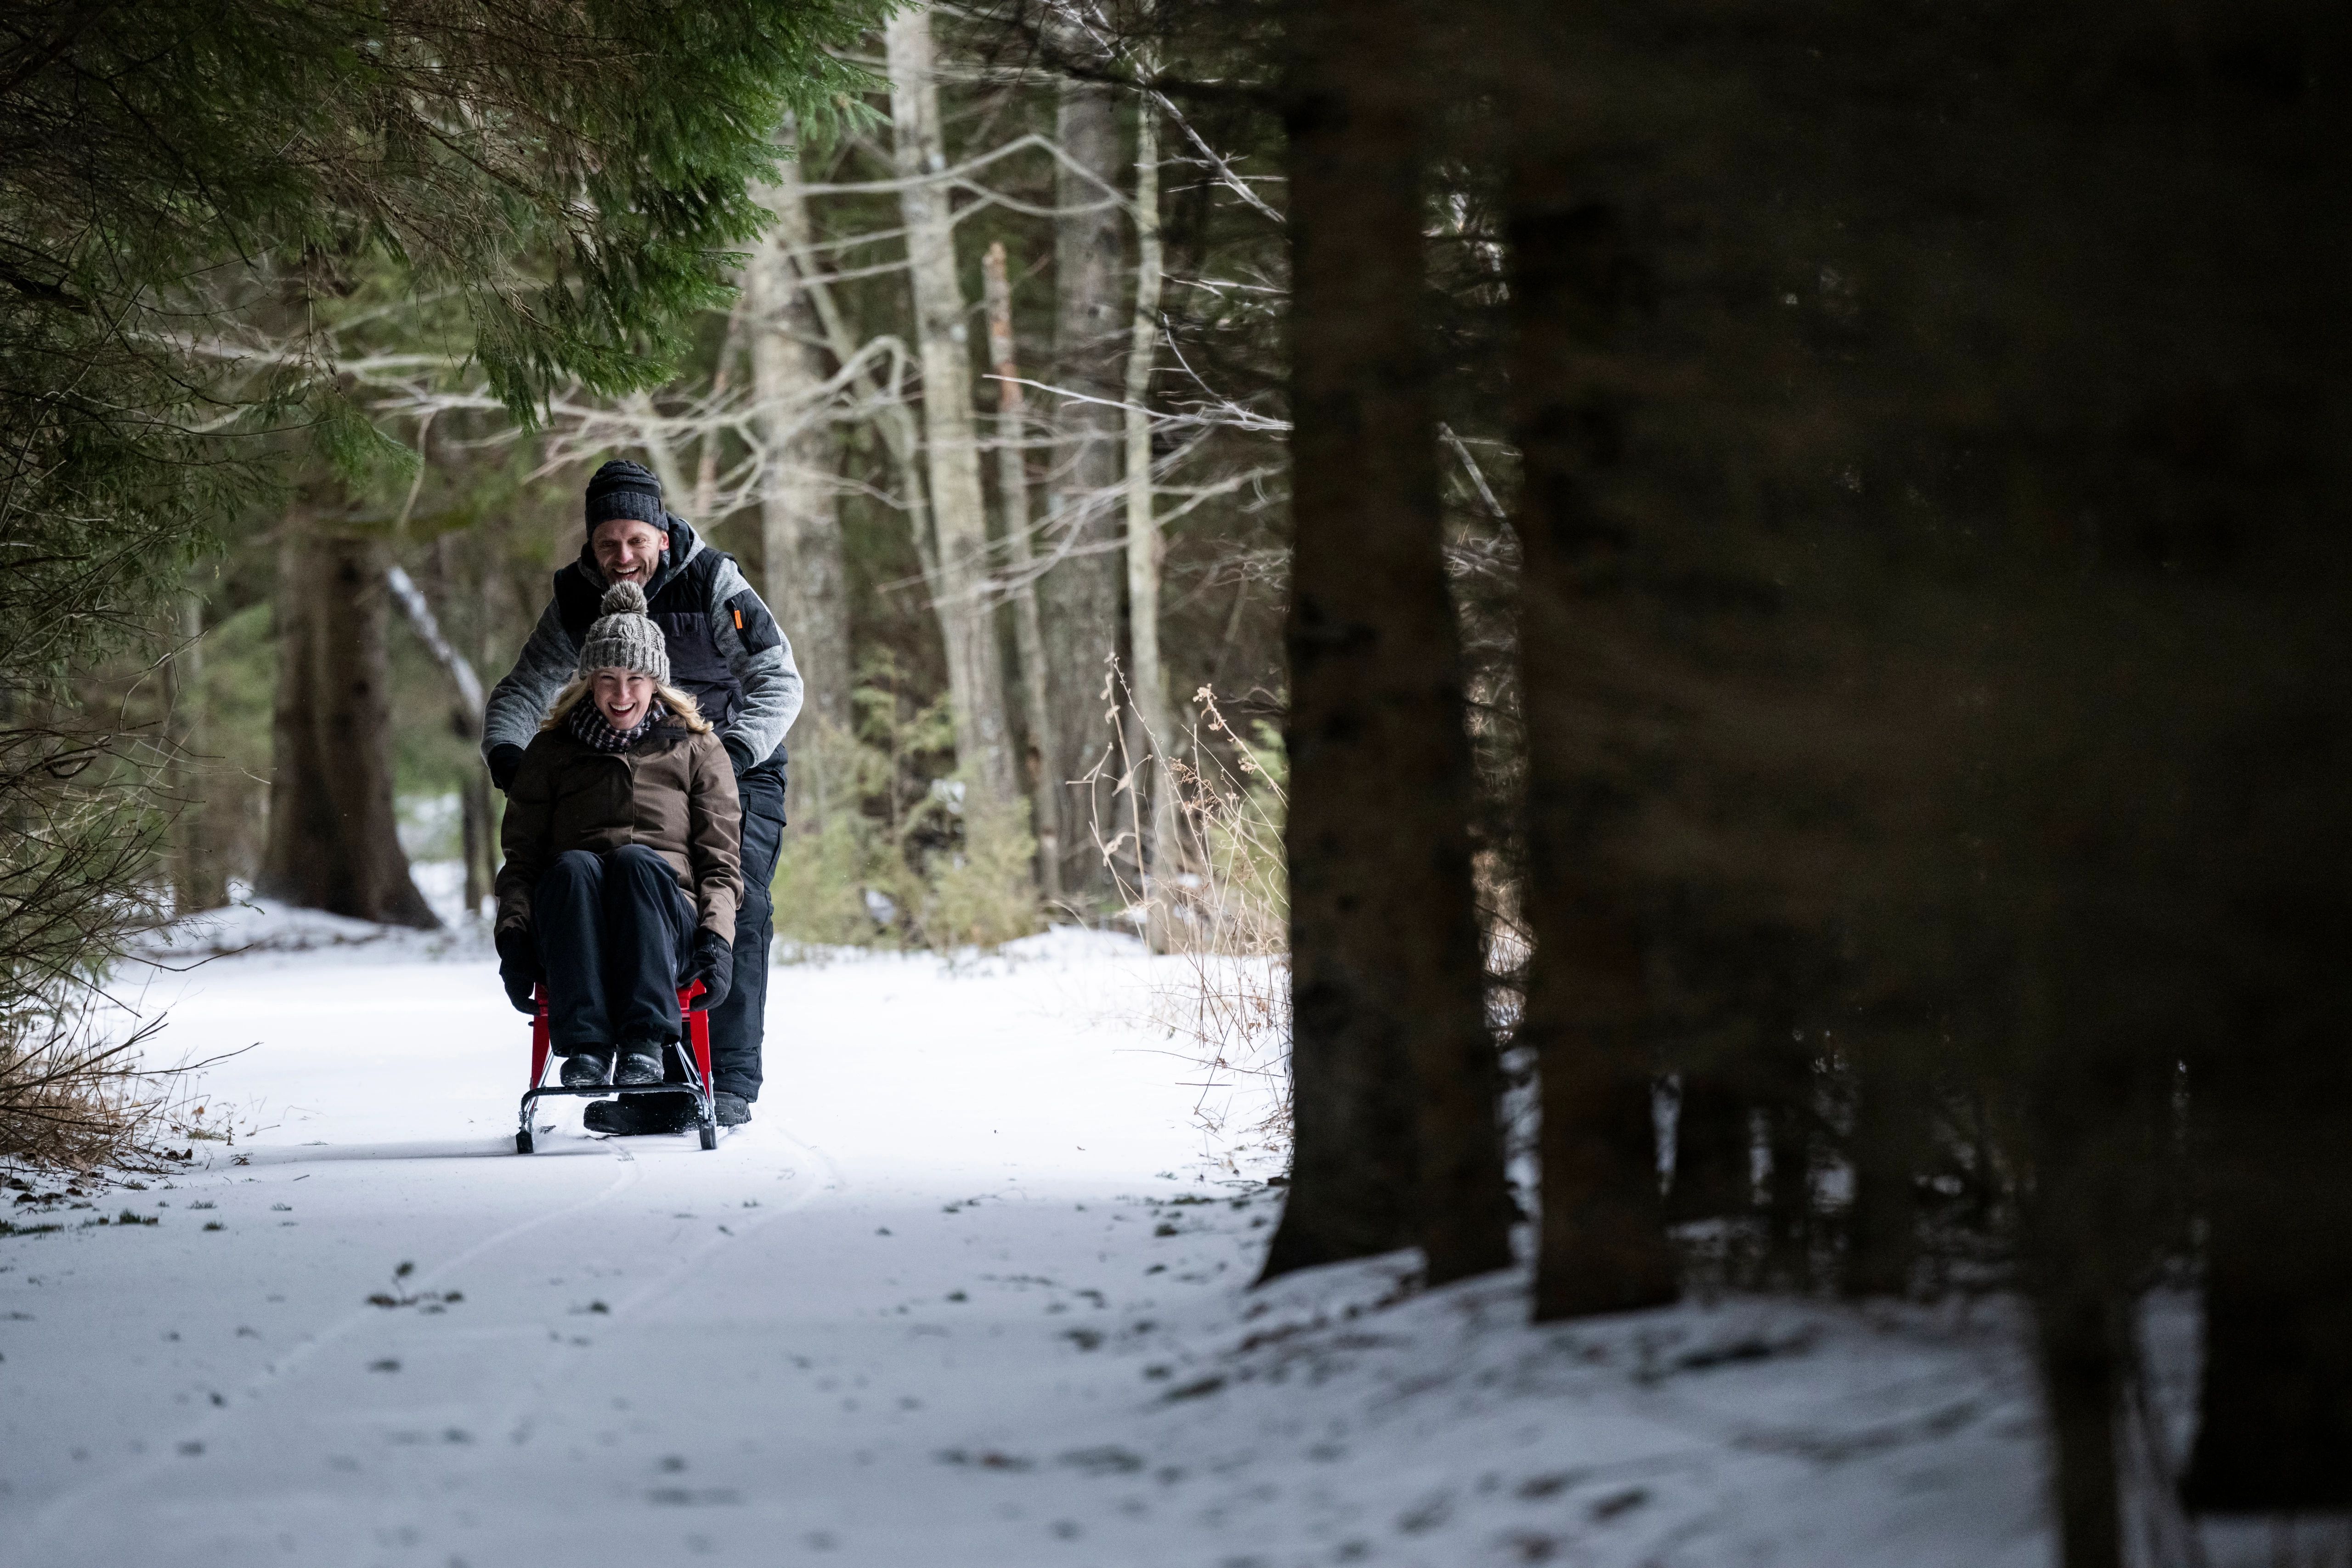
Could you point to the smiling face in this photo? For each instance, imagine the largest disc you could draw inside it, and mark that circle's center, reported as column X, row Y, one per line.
column 623, row 696
column 627, row 550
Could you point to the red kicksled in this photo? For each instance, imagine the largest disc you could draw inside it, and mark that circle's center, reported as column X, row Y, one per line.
column 697, row 1062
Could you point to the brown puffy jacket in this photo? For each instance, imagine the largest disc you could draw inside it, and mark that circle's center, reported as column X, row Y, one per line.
column 673, row 791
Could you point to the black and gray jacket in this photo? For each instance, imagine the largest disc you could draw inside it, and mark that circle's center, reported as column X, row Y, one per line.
column 726, row 651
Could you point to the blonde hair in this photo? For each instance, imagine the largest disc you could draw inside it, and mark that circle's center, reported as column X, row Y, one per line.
column 683, row 708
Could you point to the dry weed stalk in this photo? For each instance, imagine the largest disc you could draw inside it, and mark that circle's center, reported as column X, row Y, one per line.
column 1217, row 901
column 72, row 1098
column 80, row 800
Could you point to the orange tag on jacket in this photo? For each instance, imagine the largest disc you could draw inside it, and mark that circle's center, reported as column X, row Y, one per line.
column 739, row 620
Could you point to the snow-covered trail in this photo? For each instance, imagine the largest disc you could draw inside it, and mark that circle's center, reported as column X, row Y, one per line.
column 636, row 1327
column 965, row 1292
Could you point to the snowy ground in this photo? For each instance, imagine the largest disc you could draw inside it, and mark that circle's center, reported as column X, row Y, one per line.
column 968, row 1291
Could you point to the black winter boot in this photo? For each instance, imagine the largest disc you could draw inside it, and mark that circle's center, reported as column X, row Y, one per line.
column 641, row 1062
column 591, row 1067
column 731, row 1109
column 640, row 1115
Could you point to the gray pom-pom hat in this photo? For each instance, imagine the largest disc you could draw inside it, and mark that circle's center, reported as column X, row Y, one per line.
column 621, row 637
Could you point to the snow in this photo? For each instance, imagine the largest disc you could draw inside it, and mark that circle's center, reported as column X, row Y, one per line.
column 972, row 1287
column 249, row 924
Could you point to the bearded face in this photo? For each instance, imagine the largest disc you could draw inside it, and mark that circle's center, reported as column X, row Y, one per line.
column 627, row 550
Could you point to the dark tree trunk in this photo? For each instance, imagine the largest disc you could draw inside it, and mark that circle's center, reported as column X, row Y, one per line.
column 299, row 816
column 1079, row 594
column 1789, row 1140
column 2276, row 1434
column 1395, row 1072
column 333, row 839
column 2083, row 1371
column 1890, row 1137
column 199, row 869
column 481, row 836
column 477, row 822
column 1713, row 1154
column 2274, row 1116
column 2071, row 1252
column 1603, row 1246
column 2097, row 1134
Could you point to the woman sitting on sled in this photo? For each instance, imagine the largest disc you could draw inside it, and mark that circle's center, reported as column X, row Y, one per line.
column 620, row 879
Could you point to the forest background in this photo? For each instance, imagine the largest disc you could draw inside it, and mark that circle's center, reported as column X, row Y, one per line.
column 800, row 426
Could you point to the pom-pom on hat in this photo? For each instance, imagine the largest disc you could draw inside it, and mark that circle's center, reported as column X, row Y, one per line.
column 624, row 488
column 623, row 637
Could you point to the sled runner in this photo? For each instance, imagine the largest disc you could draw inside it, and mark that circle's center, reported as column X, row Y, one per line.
column 698, row 1063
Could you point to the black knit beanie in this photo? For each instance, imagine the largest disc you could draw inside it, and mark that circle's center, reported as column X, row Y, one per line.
column 622, row 489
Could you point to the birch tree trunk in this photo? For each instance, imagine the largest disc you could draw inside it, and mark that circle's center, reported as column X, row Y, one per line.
column 1164, row 854
column 800, row 522
column 959, row 518
column 1012, row 489
column 1081, row 590
column 900, row 439
column 659, row 453
column 706, row 462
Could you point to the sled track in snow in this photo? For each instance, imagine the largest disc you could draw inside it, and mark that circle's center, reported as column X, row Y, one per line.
column 517, row 1421
column 49, row 1534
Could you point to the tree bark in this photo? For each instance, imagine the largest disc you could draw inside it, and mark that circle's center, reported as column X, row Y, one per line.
column 464, row 721
column 199, row 873
column 1162, row 852
column 2082, row 1342
column 2097, row 1105
column 1713, row 1150
column 800, row 520
column 477, row 820
column 2083, row 1381
column 659, row 453
column 900, row 439
column 334, row 841
column 1393, row 1070
column 1080, row 590
column 707, row 445
column 1603, row 1246
column 1890, row 1138
column 1012, row 494
column 2271, row 1104
column 1788, row 1142
column 975, row 669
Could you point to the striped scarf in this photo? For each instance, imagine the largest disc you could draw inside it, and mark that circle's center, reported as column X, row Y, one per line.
column 588, row 724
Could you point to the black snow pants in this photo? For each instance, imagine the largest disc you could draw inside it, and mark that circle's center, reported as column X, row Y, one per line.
column 737, row 1028
column 615, row 931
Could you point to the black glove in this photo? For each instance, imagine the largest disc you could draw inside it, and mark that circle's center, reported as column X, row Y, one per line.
column 739, row 756
column 518, row 967
column 714, row 965
column 504, row 762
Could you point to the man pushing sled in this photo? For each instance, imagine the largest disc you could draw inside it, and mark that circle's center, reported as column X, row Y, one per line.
column 721, row 647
